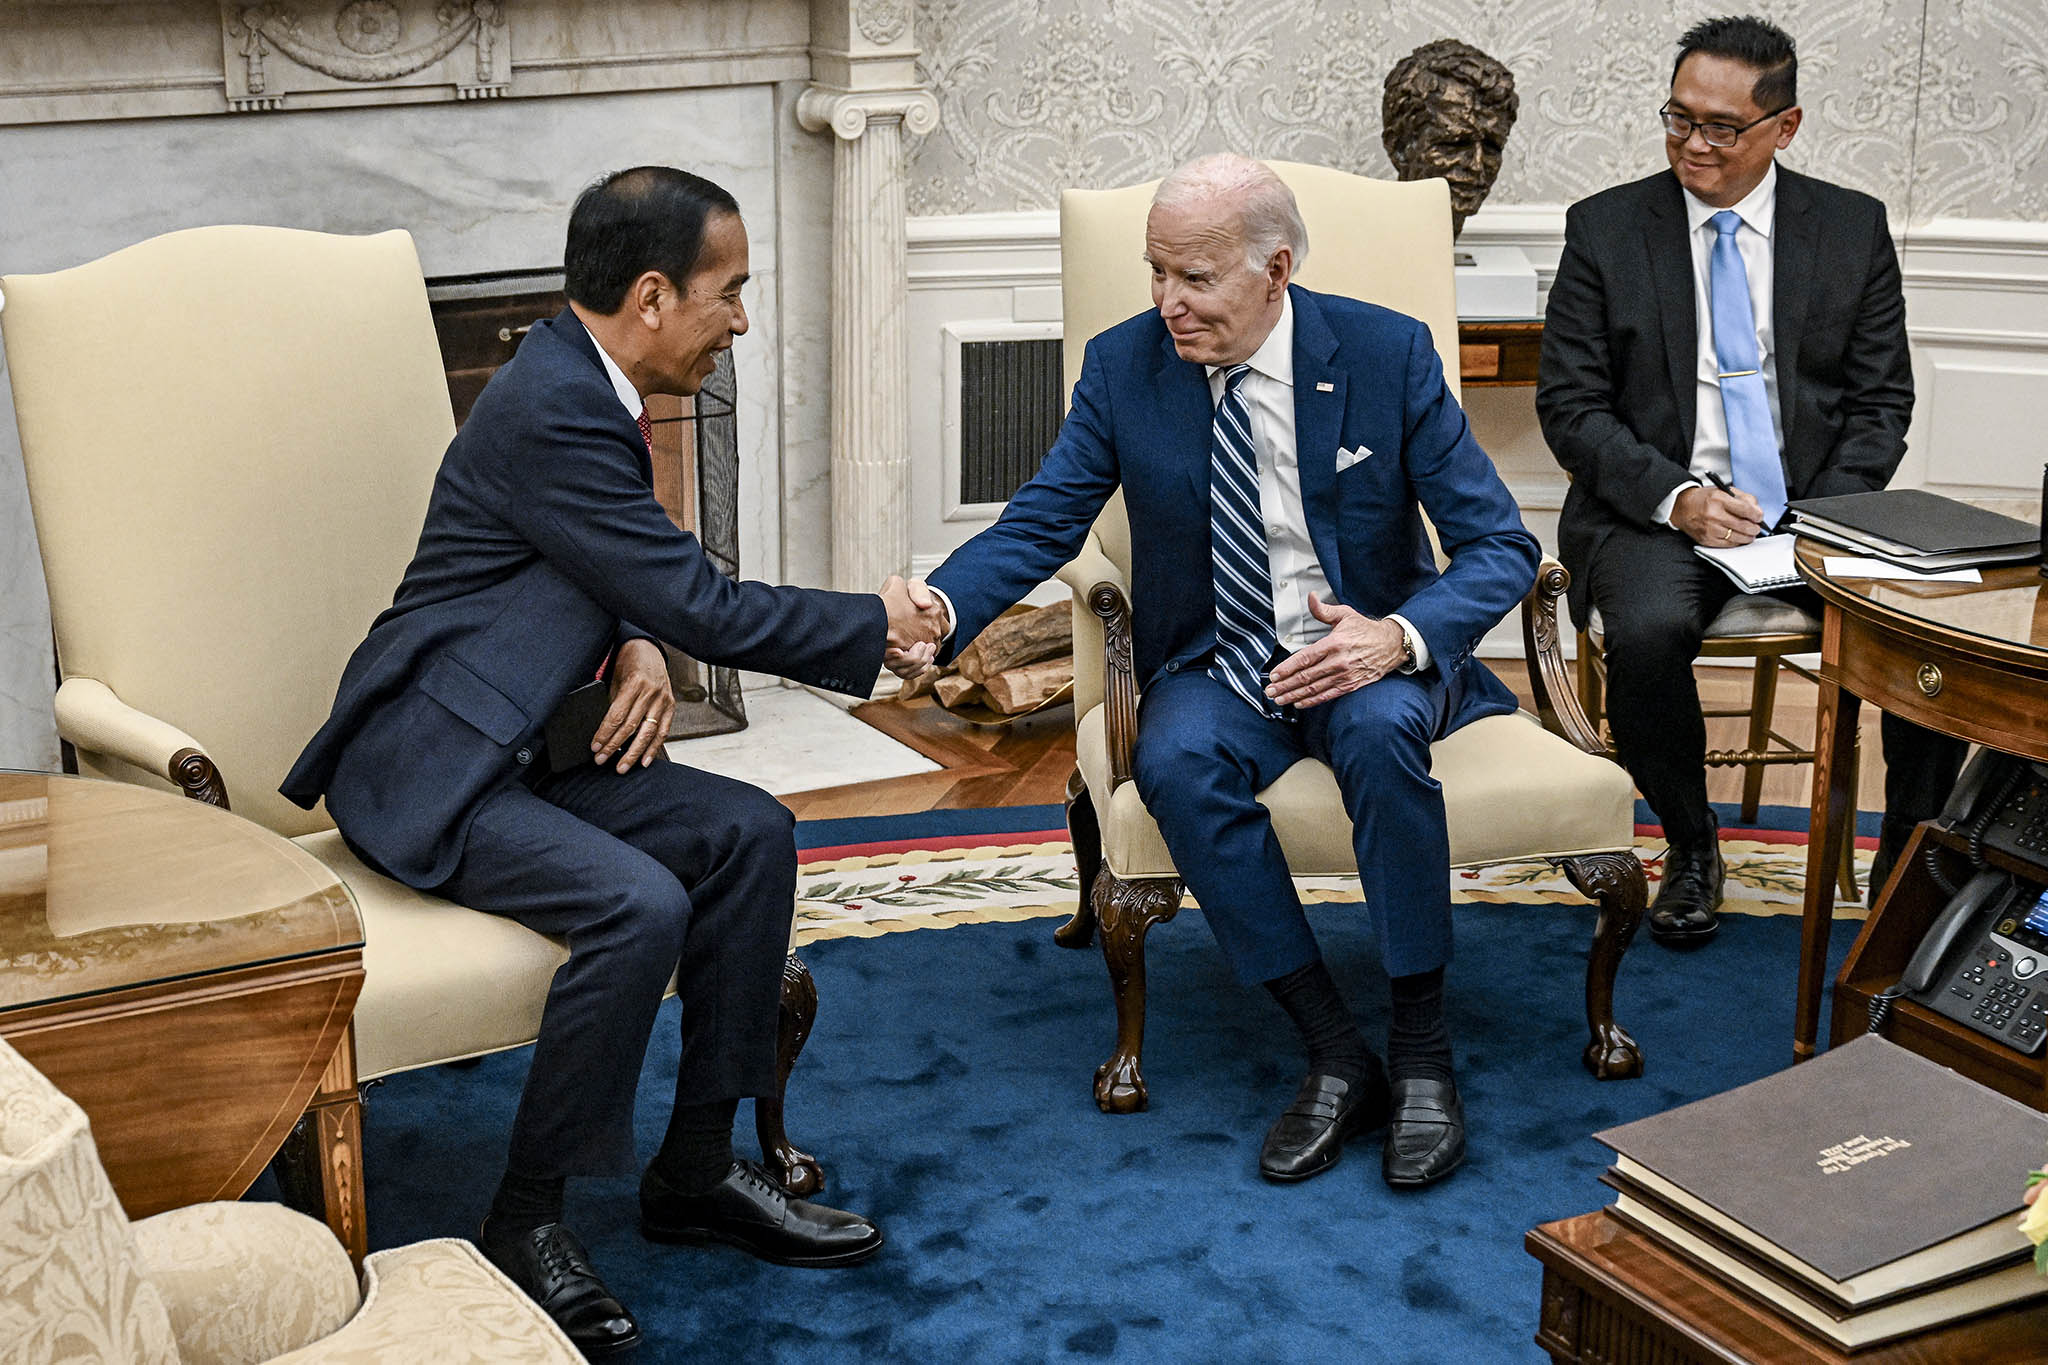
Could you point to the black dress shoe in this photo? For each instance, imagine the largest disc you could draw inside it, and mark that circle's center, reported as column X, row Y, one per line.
column 1683, row 913
column 750, row 1211
column 1308, row 1138
column 1425, row 1136
column 553, row 1270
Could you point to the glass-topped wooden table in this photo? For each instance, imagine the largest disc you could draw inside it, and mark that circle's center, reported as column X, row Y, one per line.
column 186, row 976
column 1966, row 659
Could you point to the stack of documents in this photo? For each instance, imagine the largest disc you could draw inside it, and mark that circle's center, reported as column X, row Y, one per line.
column 1918, row 529
column 1865, row 1195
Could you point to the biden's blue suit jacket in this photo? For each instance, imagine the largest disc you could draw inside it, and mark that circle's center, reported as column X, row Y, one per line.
column 542, row 540
column 1364, row 377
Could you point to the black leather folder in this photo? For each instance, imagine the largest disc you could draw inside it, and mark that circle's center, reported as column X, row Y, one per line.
column 1920, row 529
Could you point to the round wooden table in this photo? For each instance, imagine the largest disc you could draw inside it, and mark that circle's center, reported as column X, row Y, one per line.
column 1965, row 659
column 186, row 976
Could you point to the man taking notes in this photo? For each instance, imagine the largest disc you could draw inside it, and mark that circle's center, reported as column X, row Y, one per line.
column 543, row 543
column 1276, row 449
column 1722, row 338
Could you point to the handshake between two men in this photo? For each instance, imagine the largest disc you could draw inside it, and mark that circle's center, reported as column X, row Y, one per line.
column 1358, row 649
column 918, row 624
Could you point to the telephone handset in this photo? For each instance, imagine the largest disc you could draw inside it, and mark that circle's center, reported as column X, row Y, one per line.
column 2001, row 802
column 1949, row 926
column 1983, row 963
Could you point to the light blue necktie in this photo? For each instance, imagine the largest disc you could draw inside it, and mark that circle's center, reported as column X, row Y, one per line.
column 1245, row 637
column 1752, row 442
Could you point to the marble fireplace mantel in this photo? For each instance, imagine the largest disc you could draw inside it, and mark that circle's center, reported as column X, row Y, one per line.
column 472, row 123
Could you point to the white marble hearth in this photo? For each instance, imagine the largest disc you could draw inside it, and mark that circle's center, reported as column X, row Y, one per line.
column 796, row 741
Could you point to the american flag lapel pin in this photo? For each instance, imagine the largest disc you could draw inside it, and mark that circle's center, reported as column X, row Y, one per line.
column 1325, row 387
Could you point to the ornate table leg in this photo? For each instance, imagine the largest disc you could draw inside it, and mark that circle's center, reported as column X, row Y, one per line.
column 1834, row 750
column 320, row 1166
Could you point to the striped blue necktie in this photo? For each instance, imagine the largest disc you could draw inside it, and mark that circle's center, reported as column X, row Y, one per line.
column 1752, row 441
column 1245, row 638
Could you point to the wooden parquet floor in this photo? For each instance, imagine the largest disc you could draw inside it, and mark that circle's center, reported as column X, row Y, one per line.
column 1026, row 763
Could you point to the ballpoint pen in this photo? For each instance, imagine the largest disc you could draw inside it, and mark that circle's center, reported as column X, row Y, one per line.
column 1725, row 487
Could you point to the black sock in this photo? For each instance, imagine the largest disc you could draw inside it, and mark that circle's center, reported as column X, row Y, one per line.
column 1335, row 1045
column 696, row 1152
column 525, row 1202
column 1418, row 1044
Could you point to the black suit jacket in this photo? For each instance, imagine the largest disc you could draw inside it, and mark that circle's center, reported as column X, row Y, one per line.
column 542, row 536
column 1616, row 393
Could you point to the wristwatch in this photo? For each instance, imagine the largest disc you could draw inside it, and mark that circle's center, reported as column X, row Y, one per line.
column 1407, row 647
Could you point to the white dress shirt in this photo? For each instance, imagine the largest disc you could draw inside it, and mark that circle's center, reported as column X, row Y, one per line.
column 622, row 386
column 1290, row 554
column 1758, row 211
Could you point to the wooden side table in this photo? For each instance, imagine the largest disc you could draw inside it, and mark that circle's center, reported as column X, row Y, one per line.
column 1612, row 1296
column 1964, row 659
column 187, row 977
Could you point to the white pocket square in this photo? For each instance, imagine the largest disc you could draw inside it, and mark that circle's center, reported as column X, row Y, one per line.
column 1348, row 458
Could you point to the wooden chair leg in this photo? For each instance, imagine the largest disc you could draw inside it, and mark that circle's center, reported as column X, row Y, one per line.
column 797, row 1169
column 1086, row 835
column 1126, row 912
column 1763, row 696
column 1616, row 882
column 319, row 1168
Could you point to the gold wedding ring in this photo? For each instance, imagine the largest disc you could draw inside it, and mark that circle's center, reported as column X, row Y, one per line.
column 1727, row 534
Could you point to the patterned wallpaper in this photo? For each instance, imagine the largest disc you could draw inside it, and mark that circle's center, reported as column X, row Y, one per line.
column 1940, row 107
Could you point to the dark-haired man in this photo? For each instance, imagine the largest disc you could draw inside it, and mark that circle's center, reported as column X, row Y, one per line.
column 543, row 555
column 1722, row 337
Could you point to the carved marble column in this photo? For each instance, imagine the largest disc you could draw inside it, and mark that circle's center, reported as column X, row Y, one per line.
column 870, row 350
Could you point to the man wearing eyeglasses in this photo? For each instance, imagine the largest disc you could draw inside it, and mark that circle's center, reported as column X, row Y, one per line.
column 1722, row 338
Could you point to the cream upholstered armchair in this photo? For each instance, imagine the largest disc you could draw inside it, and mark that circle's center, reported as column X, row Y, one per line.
column 230, row 434
column 220, row 1283
column 1514, row 788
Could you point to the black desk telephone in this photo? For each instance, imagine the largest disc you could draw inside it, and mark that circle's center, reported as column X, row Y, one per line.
column 1984, row 961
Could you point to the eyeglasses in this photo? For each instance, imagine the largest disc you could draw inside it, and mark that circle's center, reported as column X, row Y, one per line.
column 1716, row 134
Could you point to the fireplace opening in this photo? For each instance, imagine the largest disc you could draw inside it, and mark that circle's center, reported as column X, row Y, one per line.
column 481, row 319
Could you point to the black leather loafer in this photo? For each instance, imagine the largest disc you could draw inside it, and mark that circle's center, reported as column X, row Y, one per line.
column 749, row 1210
column 1425, row 1136
column 1683, row 915
column 550, row 1266
column 1310, row 1135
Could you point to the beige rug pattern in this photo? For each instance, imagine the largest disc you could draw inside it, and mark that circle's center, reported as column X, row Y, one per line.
column 997, row 882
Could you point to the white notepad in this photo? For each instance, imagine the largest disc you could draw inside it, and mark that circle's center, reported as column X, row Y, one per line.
column 1759, row 566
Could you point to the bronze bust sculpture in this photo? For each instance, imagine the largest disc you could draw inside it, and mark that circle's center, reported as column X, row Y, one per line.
column 1447, row 111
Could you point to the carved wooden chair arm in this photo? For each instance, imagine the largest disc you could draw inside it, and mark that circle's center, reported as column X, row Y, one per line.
column 1119, row 680
column 1550, row 676
column 91, row 717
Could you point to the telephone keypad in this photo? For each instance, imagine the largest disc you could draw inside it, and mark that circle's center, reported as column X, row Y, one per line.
column 2021, row 827
column 1986, row 992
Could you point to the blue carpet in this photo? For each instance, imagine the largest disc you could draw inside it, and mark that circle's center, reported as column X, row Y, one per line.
column 947, row 1091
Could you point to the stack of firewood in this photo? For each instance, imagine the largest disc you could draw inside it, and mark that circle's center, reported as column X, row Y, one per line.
column 1021, row 661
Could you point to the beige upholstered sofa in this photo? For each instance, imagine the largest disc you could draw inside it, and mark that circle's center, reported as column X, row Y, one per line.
column 1515, row 787
column 222, row 1283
